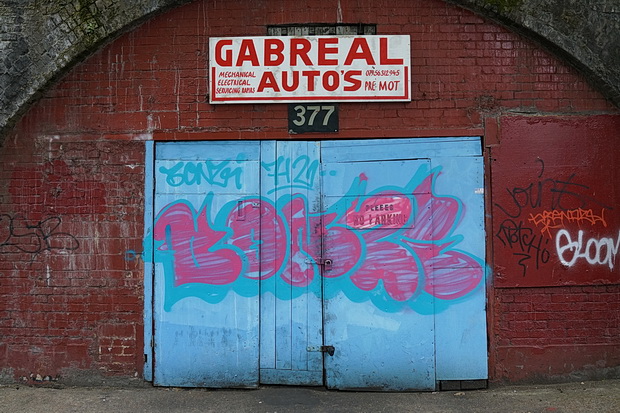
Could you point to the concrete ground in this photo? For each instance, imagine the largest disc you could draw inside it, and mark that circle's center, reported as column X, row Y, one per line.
column 579, row 397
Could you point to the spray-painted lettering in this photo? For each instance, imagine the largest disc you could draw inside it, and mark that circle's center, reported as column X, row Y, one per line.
column 256, row 238
column 565, row 201
column 595, row 251
column 211, row 172
column 19, row 235
column 556, row 219
column 526, row 245
column 299, row 173
column 549, row 193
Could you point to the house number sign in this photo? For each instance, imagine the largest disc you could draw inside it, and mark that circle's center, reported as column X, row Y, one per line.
column 312, row 117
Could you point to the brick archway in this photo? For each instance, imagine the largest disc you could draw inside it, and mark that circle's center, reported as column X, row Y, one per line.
column 43, row 40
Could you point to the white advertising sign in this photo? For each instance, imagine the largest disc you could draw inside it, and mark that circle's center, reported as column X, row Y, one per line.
column 310, row 68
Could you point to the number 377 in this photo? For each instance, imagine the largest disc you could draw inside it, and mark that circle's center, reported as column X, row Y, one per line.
column 307, row 115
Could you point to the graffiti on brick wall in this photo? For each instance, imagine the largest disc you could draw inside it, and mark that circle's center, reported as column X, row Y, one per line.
column 595, row 251
column 19, row 235
column 395, row 246
column 527, row 246
column 570, row 249
column 538, row 221
column 557, row 219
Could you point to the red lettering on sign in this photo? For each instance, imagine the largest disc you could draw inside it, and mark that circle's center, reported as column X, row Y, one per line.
column 355, row 84
column 331, row 80
column 359, row 51
column 268, row 81
column 311, row 76
column 383, row 54
column 271, row 69
column 324, row 50
column 300, row 48
column 294, row 85
column 226, row 58
column 273, row 52
column 247, row 53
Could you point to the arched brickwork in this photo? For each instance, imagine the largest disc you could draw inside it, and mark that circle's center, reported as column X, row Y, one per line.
column 42, row 40
column 77, row 158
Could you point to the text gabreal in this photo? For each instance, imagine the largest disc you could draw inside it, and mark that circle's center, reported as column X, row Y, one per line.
column 310, row 68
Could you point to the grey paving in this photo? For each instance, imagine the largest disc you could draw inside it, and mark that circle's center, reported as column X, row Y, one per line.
column 581, row 397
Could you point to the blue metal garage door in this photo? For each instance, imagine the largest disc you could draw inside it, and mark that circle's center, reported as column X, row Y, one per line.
column 355, row 264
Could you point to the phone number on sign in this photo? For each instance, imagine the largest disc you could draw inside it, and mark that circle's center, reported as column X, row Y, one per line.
column 391, row 72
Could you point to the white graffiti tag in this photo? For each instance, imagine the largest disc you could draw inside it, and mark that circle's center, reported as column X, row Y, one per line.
column 597, row 251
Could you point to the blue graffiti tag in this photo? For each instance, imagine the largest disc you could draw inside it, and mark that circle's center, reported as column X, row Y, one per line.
column 194, row 173
column 299, row 173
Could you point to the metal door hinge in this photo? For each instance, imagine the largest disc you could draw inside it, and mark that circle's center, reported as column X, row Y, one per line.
column 323, row 349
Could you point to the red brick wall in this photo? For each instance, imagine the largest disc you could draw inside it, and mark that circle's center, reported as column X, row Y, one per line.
column 70, row 300
column 74, row 165
column 463, row 67
column 544, row 167
column 555, row 332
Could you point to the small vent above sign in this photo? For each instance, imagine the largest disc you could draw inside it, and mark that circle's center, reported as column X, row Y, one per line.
column 322, row 29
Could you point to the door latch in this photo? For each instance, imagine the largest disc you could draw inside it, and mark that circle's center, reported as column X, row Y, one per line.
column 326, row 263
column 328, row 349
column 323, row 349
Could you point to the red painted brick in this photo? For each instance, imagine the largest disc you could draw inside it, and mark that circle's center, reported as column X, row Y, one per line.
column 68, row 157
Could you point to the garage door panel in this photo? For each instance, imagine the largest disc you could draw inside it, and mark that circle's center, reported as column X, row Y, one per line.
column 205, row 308
column 268, row 255
column 364, row 317
column 393, row 308
column 208, row 151
column 291, row 306
column 366, row 150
